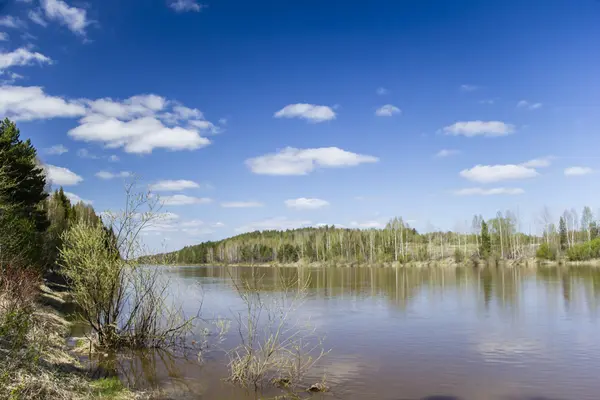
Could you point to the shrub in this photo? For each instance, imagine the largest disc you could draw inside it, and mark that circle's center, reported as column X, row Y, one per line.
column 459, row 256
column 546, row 252
column 584, row 251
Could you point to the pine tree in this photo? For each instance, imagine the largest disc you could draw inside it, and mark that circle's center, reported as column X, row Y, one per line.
column 486, row 243
column 22, row 193
column 562, row 229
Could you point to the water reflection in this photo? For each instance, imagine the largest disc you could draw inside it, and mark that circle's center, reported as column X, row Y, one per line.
column 429, row 333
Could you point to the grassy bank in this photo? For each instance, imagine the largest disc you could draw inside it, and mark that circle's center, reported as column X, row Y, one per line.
column 35, row 361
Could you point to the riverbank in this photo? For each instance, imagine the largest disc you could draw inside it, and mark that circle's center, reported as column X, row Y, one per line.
column 449, row 262
column 44, row 367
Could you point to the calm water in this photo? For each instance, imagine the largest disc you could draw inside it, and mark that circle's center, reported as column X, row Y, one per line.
column 510, row 334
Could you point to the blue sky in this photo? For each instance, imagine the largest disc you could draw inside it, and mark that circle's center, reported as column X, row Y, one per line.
column 300, row 113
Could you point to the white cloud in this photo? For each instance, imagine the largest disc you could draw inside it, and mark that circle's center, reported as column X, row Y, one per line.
column 292, row 161
column 136, row 125
column 387, row 111
column 192, row 223
column 3, row 36
column 12, row 77
column 182, row 200
column 173, row 185
column 496, row 173
column 528, row 105
column 446, row 153
column 578, row 171
column 197, row 232
column 241, row 204
column 106, row 175
column 489, row 192
column 479, row 128
column 29, row 103
column 85, row 153
column 76, row 199
column 223, row 121
column 56, row 150
column 368, row 224
column 113, row 158
column 72, row 17
column 382, row 91
column 539, row 162
column 218, row 225
column 468, row 88
column 487, row 101
column 310, row 112
column 186, row 5
column 9, row 21
column 277, row 223
column 304, row 203
column 36, row 17
column 21, row 57
column 61, row 176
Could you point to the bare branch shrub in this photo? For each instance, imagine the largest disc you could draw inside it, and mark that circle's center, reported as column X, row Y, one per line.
column 275, row 346
column 126, row 304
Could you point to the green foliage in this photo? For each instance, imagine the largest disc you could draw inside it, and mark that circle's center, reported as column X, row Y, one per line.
column 485, row 249
column 459, row 256
column 22, row 182
column 546, row 252
column 563, row 234
column 584, row 251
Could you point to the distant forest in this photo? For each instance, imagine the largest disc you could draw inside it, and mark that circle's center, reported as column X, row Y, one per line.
column 499, row 238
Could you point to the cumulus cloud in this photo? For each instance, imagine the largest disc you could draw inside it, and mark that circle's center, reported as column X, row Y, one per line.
column 489, row 192
column 241, row 204
column 113, row 158
column 173, row 185
column 496, row 173
column 387, row 111
column 137, row 125
column 468, row 88
column 368, row 224
column 106, row 175
column 578, row 171
column 183, row 200
column 446, row 153
column 30, row 103
column 85, row 153
column 21, row 57
column 277, row 223
column 539, row 162
column 304, row 203
column 61, row 176
column 479, row 128
column 292, row 161
column 56, row 150
column 309, row 112
column 382, row 91
column 9, row 21
column 528, row 105
column 3, row 36
column 72, row 17
column 186, row 5
column 76, row 199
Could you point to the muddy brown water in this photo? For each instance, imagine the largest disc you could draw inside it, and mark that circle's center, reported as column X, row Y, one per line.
column 400, row 333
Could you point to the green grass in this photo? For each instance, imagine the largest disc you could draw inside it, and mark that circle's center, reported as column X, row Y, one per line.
column 109, row 388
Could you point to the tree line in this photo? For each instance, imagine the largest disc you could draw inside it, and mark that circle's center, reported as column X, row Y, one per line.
column 32, row 217
column 499, row 238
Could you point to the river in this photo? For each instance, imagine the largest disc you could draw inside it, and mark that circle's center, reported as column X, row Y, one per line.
column 402, row 333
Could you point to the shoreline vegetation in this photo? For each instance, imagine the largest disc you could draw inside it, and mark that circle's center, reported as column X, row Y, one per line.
column 497, row 241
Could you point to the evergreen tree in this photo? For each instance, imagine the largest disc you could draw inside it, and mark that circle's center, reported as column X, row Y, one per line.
column 562, row 232
column 22, row 193
column 486, row 243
